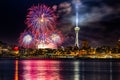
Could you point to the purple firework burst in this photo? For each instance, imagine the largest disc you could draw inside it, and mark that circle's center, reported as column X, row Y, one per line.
column 41, row 17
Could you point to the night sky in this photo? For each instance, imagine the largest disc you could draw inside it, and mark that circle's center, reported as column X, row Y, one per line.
column 99, row 20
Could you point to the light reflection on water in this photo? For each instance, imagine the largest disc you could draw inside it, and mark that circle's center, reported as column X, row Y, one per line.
column 76, row 70
column 41, row 70
column 59, row 70
column 16, row 70
column 65, row 70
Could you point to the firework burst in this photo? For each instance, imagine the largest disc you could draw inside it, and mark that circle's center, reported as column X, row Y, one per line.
column 41, row 33
column 41, row 17
column 56, row 37
column 26, row 39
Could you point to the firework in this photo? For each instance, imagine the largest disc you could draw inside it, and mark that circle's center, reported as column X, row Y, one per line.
column 41, row 17
column 43, row 37
column 50, row 39
column 41, row 33
column 44, row 42
column 56, row 37
column 26, row 39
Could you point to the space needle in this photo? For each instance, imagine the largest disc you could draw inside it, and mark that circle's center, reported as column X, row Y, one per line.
column 77, row 4
column 76, row 39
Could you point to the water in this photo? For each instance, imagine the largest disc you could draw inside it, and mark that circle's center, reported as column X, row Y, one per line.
column 59, row 70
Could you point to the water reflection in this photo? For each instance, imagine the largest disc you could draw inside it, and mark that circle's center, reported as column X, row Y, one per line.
column 7, row 69
column 40, row 70
column 59, row 70
column 97, row 70
column 76, row 71
column 16, row 70
column 66, row 70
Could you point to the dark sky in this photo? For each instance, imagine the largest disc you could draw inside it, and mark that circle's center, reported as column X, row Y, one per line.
column 99, row 20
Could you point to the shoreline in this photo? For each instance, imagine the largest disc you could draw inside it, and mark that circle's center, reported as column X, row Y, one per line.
column 79, row 59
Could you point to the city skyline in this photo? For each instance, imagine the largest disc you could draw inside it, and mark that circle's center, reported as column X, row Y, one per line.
column 99, row 20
